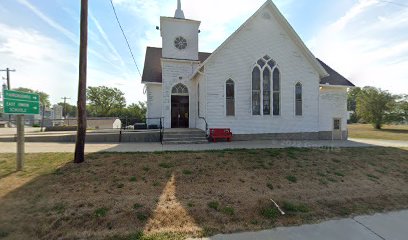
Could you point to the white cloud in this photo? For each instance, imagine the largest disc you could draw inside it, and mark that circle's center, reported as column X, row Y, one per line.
column 368, row 45
column 41, row 62
column 50, row 22
column 115, row 56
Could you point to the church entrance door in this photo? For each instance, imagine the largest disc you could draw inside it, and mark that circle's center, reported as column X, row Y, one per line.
column 179, row 112
column 180, row 107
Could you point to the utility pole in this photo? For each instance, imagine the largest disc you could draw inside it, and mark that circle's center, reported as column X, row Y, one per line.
column 83, row 48
column 7, row 70
column 65, row 106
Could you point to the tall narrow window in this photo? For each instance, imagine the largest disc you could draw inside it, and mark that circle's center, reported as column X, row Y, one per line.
column 298, row 100
column 276, row 92
column 198, row 100
column 256, row 91
column 266, row 92
column 230, row 98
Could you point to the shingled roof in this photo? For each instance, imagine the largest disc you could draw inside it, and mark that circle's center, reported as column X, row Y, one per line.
column 334, row 77
column 152, row 72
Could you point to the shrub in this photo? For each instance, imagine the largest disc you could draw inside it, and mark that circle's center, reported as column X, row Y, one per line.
column 229, row 211
column 214, row 205
column 269, row 212
column 291, row 179
column 101, row 212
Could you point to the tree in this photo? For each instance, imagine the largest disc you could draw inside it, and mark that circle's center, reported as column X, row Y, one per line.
column 402, row 108
column 352, row 103
column 103, row 100
column 44, row 97
column 375, row 106
column 137, row 111
column 71, row 109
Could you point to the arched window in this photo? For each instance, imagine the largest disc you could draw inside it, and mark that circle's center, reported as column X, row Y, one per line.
column 276, row 92
column 298, row 100
column 230, row 97
column 256, row 91
column 265, row 87
column 179, row 90
column 266, row 92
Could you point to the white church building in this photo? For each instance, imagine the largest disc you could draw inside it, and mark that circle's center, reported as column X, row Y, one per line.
column 262, row 82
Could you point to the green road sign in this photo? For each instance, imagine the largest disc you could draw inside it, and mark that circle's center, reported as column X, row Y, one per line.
column 21, row 103
column 21, row 96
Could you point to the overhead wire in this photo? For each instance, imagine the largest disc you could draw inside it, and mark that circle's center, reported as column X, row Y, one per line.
column 126, row 39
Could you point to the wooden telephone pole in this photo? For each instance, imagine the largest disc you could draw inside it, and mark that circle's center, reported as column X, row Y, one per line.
column 65, row 107
column 7, row 70
column 83, row 46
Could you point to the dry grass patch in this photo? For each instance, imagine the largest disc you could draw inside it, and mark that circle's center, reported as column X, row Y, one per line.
column 181, row 194
column 389, row 132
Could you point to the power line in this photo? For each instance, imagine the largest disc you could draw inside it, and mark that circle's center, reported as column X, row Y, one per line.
column 124, row 35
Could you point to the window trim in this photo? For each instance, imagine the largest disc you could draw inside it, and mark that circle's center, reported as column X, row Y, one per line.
column 295, row 100
column 276, row 66
column 260, row 90
column 225, row 98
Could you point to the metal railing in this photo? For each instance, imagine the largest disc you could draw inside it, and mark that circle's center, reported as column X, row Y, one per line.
column 206, row 124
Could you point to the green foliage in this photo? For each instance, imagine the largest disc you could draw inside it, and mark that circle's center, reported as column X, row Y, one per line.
column 137, row 206
column 214, row 205
column 100, row 212
column 401, row 108
column 295, row 208
column 352, row 103
column 228, row 210
column 104, row 100
column 269, row 212
column 187, row 172
column 375, row 105
column 166, row 165
column 141, row 216
column 68, row 109
column 44, row 97
column 291, row 179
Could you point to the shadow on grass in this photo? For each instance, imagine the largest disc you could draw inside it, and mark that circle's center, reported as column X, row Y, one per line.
column 121, row 195
column 399, row 131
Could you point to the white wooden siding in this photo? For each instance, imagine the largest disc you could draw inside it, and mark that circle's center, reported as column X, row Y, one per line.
column 261, row 37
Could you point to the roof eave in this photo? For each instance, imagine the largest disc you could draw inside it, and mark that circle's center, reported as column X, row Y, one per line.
column 294, row 36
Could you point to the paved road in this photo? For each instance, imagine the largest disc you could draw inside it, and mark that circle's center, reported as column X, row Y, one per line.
column 390, row 226
column 9, row 147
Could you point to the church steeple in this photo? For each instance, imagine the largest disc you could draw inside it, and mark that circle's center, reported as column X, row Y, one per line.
column 179, row 13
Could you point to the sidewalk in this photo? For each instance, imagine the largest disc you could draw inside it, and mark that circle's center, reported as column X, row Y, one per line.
column 32, row 147
column 390, row 226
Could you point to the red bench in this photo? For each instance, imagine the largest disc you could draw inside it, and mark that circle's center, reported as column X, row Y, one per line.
column 222, row 133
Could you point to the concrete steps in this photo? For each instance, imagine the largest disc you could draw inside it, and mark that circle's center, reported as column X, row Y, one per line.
column 184, row 136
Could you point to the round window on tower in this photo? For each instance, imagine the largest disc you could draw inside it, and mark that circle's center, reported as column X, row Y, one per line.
column 180, row 43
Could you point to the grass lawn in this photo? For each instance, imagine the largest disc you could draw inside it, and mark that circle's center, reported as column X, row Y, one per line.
column 183, row 194
column 389, row 132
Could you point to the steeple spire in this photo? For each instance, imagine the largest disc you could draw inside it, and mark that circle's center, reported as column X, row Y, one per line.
column 179, row 13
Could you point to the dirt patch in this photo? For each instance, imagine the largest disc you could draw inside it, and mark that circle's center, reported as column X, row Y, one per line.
column 176, row 195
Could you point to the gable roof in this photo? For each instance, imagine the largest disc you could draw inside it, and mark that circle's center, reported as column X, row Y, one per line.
column 334, row 77
column 286, row 25
column 152, row 71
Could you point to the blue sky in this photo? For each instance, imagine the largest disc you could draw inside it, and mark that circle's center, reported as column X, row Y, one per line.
column 365, row 40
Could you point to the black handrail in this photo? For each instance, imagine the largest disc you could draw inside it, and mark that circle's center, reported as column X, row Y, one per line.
column 161, row 129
